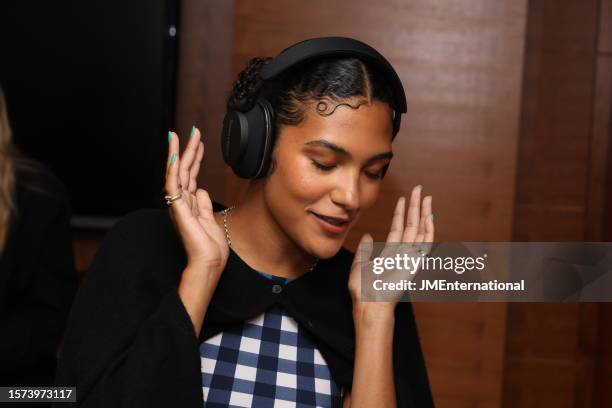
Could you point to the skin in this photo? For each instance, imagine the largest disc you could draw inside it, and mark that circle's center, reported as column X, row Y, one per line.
column 278, row 210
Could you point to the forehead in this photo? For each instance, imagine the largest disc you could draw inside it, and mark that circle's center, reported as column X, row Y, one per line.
column 368, row 126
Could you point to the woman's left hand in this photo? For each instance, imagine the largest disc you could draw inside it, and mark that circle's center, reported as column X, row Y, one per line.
column 419, row 229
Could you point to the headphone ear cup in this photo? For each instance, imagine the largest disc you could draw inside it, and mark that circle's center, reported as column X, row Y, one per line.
column 269, row 136
column 246, row 139
column 234, row 137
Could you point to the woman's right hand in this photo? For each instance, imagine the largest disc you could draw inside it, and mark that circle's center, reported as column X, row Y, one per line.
column 192, row 214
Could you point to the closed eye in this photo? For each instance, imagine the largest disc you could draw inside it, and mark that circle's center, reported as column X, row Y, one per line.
column 322, row 166
column 375, row 176
column 325, row 168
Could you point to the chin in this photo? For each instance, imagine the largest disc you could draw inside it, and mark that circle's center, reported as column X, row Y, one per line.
column 326, row 248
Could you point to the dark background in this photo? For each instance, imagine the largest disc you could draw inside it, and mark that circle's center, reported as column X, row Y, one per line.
column 90, row 86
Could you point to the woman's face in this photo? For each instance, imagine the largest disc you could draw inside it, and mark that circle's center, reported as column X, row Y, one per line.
column 328, row 166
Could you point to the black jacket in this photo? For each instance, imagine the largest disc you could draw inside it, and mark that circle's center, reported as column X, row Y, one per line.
column 37, row 280
column 130, row 342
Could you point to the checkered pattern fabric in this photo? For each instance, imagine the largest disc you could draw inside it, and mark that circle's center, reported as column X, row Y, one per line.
column 268, row 362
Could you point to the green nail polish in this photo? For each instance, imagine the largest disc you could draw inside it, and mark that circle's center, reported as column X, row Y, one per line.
column 169, row 137
column 173, row 158
column 193, row 129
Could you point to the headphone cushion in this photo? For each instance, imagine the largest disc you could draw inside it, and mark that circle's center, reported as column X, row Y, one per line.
column 247, row 140
column 234, row 137
column 268, row 136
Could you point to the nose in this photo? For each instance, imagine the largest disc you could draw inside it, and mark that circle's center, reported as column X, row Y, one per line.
column 346, row 192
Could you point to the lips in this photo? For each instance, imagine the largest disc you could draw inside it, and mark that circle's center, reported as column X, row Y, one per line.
column 332, row 220
column 331, row 225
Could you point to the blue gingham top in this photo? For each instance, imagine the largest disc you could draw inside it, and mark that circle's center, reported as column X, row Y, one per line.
column 268, row 362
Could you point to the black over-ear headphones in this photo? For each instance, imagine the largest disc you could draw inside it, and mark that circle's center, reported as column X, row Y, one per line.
column 248, row 135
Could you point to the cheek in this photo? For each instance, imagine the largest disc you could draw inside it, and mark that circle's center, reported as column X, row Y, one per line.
column 304, row 183
column 369, row 194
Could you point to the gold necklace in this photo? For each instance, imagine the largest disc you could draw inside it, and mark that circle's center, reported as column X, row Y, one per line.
column 227, row 237
column 229, row 241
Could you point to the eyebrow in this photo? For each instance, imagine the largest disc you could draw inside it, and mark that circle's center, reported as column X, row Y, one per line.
column 344, row 152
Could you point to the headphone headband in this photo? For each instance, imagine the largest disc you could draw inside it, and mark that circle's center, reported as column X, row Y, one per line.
column 335, row 46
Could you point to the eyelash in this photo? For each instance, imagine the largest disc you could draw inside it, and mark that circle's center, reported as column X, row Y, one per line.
column 325, row 169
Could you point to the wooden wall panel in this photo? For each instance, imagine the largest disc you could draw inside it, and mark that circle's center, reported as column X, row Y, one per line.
column 603, row 117
column 541, row 364
column 555, row 123
column 552, row 349
column 461, row 65
column 605, row 28
column 599, row 149
column 462, row 344
column 204, row 80
column 603, row 369
column 602, row 128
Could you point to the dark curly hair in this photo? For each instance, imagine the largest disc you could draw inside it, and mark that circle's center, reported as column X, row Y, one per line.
column 326, row 81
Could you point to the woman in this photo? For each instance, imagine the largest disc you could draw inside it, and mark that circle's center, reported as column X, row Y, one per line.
column 258, row 305
column 37, row 276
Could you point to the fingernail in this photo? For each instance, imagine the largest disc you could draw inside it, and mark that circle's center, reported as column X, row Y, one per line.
column 432, row 217
column 193, row 130
column 169, row 136
column 173, row 158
